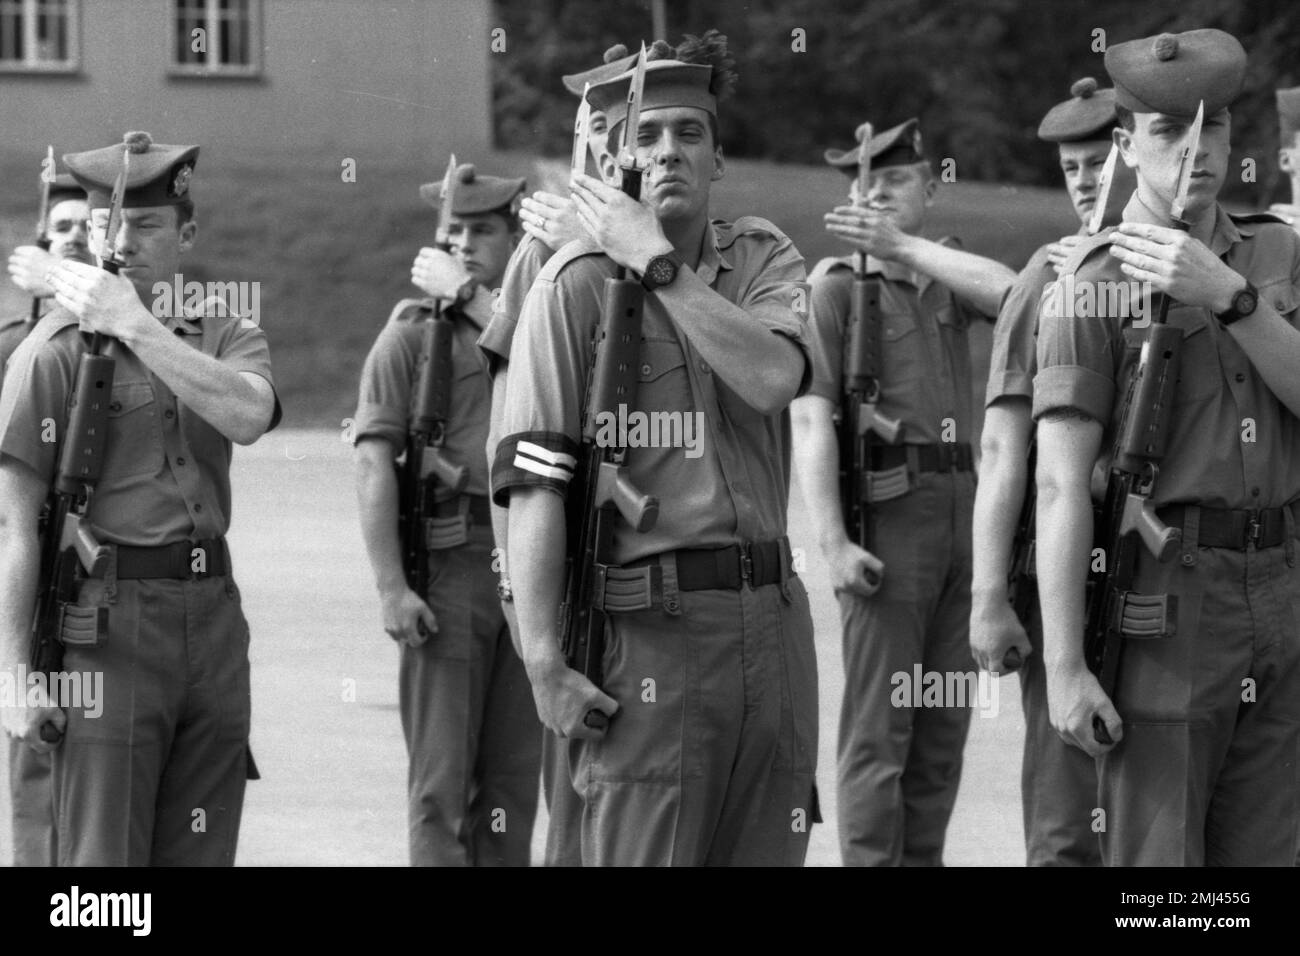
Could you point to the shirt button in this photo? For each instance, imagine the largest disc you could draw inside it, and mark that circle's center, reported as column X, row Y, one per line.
column 1240, row 376
column 198, row 507
column 704, row 366
column 169, row 414
column 115, row 406
column 180, row 461
column 645, row 369
column 1254, row 492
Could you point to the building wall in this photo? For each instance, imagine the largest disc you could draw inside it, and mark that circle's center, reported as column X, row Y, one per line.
column 368, row 79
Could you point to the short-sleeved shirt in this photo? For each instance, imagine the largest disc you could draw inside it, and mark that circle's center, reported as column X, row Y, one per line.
column 166, row 473
column 392, row 370
column 1085, row 362
column 12, row 333
column 925, row 369
column 525, row 265
column 1013, row 359
column 733, row 486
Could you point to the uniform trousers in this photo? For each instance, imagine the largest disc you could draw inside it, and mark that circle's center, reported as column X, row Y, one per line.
column 1206, row 773
column 158, row 777
column 899, row 766
column 32, row 798
column 470, row 723
column 710, row 759
column 1058, row 781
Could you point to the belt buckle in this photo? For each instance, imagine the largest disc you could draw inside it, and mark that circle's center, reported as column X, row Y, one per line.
column 1254, row 529
column 747, row 564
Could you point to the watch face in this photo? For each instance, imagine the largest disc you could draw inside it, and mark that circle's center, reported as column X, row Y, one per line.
column 1245, row 302
column 661, row 270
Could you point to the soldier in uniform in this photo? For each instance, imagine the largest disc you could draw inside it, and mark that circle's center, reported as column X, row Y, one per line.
column 899, row 767
column 710, row 676
column 30, row 794
column 1288, row 116
column 1206, row 719
column 467, row 715
column 158, row 777
column 66, row 232
column 1058, row 783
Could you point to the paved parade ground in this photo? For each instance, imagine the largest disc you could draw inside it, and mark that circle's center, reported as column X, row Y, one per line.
column 325, row 724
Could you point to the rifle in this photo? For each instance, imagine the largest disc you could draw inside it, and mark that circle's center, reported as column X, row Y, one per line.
column 1128, row 514
column 69, row 550
column 860, row 421
column 43, row 223
column 604, row 491
column 425, row 471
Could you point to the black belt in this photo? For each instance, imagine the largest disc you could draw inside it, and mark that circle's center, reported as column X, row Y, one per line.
column 181, row 559
column 731, row 568
column 480, row 510
column 945, row 456
column 1234, row 528
column 638, row 585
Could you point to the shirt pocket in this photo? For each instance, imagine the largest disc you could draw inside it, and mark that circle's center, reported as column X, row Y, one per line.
column 133, row 444
column 1200, row 375
column 662, row 381
column 1281, row 295
column 901, row 347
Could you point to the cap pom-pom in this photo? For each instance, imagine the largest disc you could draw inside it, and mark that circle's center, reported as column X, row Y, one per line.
column 1083, row 88
column 660, row 50
column 1165, row 46
column 465, row 172
column 862, row 132
column 616, row 52
column 711, row 50
column 137, row 142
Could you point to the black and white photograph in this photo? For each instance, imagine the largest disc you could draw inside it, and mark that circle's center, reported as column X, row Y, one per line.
column 650, row 433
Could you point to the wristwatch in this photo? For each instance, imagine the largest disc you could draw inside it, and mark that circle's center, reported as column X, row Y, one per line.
column 661, row 271
column 1243, row 305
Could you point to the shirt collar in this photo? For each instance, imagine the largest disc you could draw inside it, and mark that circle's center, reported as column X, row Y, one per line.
column 712, row 261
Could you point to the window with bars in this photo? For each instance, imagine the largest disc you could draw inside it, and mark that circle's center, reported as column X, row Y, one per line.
column 39, row 36
column 216, row 37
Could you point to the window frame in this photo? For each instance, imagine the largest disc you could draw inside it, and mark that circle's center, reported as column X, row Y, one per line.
column 34, row 67
column 251, row 70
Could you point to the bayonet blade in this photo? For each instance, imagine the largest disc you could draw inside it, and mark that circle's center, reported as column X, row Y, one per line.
column 864, row 164
column 627, row 155
column 47, row 180
column 448, row 200
column 581, row 130
column 1104, row 186
column 1188, row 162
column 114, row 226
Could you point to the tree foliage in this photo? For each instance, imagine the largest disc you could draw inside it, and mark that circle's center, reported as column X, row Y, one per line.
column 979, row 73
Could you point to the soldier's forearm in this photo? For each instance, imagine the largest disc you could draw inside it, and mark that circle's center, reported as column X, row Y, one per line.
column 817, row 465
column 998, row 499
column 19, row 556
column 537, row 573
column 761, row 366
column 979, row 280
column 221, row 396
column 377, row 500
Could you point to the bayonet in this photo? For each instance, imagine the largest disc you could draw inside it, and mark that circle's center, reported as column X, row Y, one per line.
column 635, row 92
column 1105, row 188
column 47, row 180
column 1178, row 210
column 864, row 164
column 448, row 201
column 108, row 250
column 581, row 130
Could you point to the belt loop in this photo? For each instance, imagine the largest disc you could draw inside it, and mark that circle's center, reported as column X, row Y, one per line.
column 668, row 568
column 913, row 455
column 110, row 575
column 1288, row 519
column 1191, row 534
column 784, row 561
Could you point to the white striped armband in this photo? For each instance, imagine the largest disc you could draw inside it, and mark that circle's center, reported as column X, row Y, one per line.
column 533, row 458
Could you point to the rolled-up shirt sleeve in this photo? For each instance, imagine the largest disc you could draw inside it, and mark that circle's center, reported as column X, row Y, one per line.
column 1076, row 359
column 384, row 397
